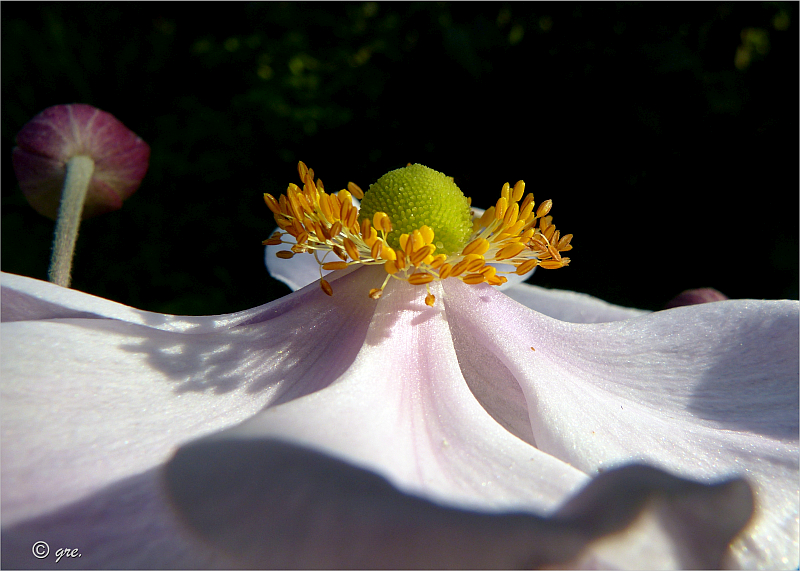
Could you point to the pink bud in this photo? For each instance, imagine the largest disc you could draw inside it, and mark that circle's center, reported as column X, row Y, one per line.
column 57, row 134
column 695, row 296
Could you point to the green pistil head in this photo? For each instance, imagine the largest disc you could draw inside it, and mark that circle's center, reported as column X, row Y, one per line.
column 416, row 196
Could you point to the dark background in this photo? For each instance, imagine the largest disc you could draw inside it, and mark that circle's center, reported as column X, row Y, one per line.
column 666, row 134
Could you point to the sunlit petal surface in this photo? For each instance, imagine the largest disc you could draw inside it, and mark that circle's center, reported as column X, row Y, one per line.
column 393, row 422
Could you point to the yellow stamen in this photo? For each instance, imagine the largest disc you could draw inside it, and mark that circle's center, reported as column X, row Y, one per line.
column 351, row 249
column 420, row 278
column 326, row 287
column 355, row 190
column 506, row 233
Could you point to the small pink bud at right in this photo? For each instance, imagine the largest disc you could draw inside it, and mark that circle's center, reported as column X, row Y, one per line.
column 695, row 296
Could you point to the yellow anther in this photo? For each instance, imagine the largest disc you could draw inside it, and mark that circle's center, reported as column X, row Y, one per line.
column 419, row 242
column 387, row 253
column 325, row 207
column 544, row 208
column 509, row 251
column 351, row 249
column 553, row 264
column 341, row 253
column 334, row 265
column 528, row 200
column 488, row 271
column 437, row 261
column 371, row 236
column 326, row 287
column 302, row 170
column 336, row 206
column 475, row 265
column 322, row 232
column 444, row 271
column 345, row 196
column 519, row 190
column 505, row 192
column 378, row 219
column 500, row 208
column 419, row 278
column 478, row 246
column 473, row 279
column 303, row 202
column 553, row 252
column 335, row 228
column 309, row 184
column 406, row 243
column 427, row 234
column 375, row 293
column 296, row 210
column 391, row 267
column 400, row 262
column 512, row 212
column 564, row 243
column 487, row 217
column 285, row 254
column 430, row 299
column 344, row 210
column 377, row 248
column 272, row 204
column 302, row 237
column 421, row 255
column 352, row 220
column 515, row 228
column 355, row 190
column 459, row 268
column 386, row 224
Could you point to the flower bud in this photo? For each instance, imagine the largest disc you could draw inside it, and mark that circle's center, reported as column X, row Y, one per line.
column 48, row 141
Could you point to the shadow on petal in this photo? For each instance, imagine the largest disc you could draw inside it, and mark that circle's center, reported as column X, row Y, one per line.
column 127, row 525
column 272, row 504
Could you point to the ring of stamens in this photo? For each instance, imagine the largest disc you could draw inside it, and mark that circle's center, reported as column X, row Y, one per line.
column 510, row 232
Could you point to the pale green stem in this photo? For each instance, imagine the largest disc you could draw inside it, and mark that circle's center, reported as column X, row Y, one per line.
column 73, row 195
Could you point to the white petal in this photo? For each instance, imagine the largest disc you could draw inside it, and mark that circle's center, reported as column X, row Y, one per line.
column 93, row 391
column 405, row 387
column 569, row 305
column 705, row 391
column 403, row 411
column 296, row 272
column 129, row 524
column 271, row 504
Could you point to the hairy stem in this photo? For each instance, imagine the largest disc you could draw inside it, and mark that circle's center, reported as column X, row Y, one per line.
column 73, row 195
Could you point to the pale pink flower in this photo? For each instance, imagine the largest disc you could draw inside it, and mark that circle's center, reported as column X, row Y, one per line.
column 320, row 431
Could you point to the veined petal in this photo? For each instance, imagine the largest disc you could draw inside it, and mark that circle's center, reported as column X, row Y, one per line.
column 704, row 391
column 402, row 411
column 405, row 387
column 93, row 391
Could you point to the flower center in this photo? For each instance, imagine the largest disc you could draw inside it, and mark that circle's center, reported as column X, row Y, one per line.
column 417, row 224
column 416, row 196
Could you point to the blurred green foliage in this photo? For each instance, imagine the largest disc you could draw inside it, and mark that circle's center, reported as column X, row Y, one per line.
column 666, row 134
